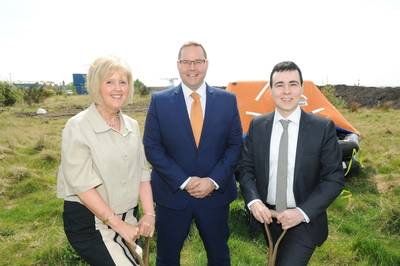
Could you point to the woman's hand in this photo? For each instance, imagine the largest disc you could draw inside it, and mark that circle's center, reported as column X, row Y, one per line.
column 146, row 225
column 127, row 231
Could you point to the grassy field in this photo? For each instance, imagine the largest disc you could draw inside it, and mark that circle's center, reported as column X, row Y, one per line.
column 364, row 221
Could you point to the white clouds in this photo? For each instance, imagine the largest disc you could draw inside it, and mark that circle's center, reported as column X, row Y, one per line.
column 341, row 41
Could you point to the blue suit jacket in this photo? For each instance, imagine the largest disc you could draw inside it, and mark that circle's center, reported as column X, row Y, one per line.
column 170, row 147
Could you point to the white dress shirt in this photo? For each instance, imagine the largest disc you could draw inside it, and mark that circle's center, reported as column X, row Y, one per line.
column 293, row 132
column 188, row 101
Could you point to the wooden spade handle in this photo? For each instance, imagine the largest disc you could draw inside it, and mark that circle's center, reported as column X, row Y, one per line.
column 143, row 261
column 273, row 250
column 274, row 213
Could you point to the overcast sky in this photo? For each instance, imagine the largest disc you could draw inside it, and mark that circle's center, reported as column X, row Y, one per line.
column 337, row 42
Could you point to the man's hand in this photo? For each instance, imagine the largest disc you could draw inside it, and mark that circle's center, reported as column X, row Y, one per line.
column 261, row 212
column 290, row 218
column 200, row 187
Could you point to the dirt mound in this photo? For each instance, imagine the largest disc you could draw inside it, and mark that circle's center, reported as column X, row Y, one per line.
column 68, row 112
column 366, row 96
column 369, row 96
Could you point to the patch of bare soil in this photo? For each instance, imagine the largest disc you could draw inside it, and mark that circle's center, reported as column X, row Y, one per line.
column 69, row 112
column 369, row 96
column 384, row 185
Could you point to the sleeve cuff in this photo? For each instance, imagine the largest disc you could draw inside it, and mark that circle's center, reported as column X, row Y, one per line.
column 182, row 187
column 306, row 219
column 215, row 183
column 251, row 203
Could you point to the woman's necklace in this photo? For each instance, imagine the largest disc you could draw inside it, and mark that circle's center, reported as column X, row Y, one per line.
column 113, row 122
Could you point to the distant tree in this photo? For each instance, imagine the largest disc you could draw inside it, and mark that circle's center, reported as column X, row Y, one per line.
column 70, row 87
column 57, row 89
column 329, row 92
column 9, row 94
column 140, row 88
column 38, row 94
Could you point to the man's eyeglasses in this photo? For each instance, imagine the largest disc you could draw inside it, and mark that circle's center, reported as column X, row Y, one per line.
column 196, row 62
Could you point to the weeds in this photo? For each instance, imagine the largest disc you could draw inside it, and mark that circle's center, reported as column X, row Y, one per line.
column 386, row 105
column 6, row 232
column 329, row 93
column 354, row 106
column 364, row 221
column 376, row 252
column 40, row 144
column 24, row 188
column 17, row 174
column 62, row 256
column 390, row 217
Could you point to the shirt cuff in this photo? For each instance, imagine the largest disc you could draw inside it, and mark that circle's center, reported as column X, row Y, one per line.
column 306, row 219
column 182, row 187
column 215, row 183
column 251, row 203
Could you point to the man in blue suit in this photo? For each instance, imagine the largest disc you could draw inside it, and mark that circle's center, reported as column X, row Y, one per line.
column 193, row 138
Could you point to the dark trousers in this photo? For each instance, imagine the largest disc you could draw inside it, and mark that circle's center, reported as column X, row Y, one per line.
column 173, row 227
column 86, row 239
column 296, row 248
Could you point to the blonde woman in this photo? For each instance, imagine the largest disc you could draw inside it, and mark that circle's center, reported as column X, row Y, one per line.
column 103, row 171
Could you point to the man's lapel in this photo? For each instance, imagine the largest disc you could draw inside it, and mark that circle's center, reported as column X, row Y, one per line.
column 267, row 143
column 301, row 142
column 178, row 101
column 209, row 113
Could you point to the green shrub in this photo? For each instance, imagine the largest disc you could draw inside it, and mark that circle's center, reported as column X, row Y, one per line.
column 38, row 94
column 141, row 88
column 9, row 94
column 330, row 93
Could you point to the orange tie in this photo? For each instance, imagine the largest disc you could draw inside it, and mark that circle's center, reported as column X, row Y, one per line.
column 196, row 117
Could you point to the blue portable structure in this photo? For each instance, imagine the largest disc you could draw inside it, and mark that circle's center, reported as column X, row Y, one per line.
column 79, row 81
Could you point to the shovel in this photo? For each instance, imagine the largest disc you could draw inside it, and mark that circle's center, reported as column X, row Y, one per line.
column 143, row 261
column 273, row 250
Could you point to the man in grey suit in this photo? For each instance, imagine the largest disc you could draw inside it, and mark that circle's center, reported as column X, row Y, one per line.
column 291, row 162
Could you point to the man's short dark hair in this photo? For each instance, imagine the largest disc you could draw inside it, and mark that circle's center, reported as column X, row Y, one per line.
column 285, row 66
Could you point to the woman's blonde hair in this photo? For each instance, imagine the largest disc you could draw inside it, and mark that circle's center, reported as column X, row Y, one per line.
column 101, row 69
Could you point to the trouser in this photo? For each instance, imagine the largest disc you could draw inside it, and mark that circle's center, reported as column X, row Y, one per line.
column 173, row 227
column 296, row 248
column 94, row 241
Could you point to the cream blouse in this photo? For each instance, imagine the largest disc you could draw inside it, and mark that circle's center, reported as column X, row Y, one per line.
column 93, row 155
